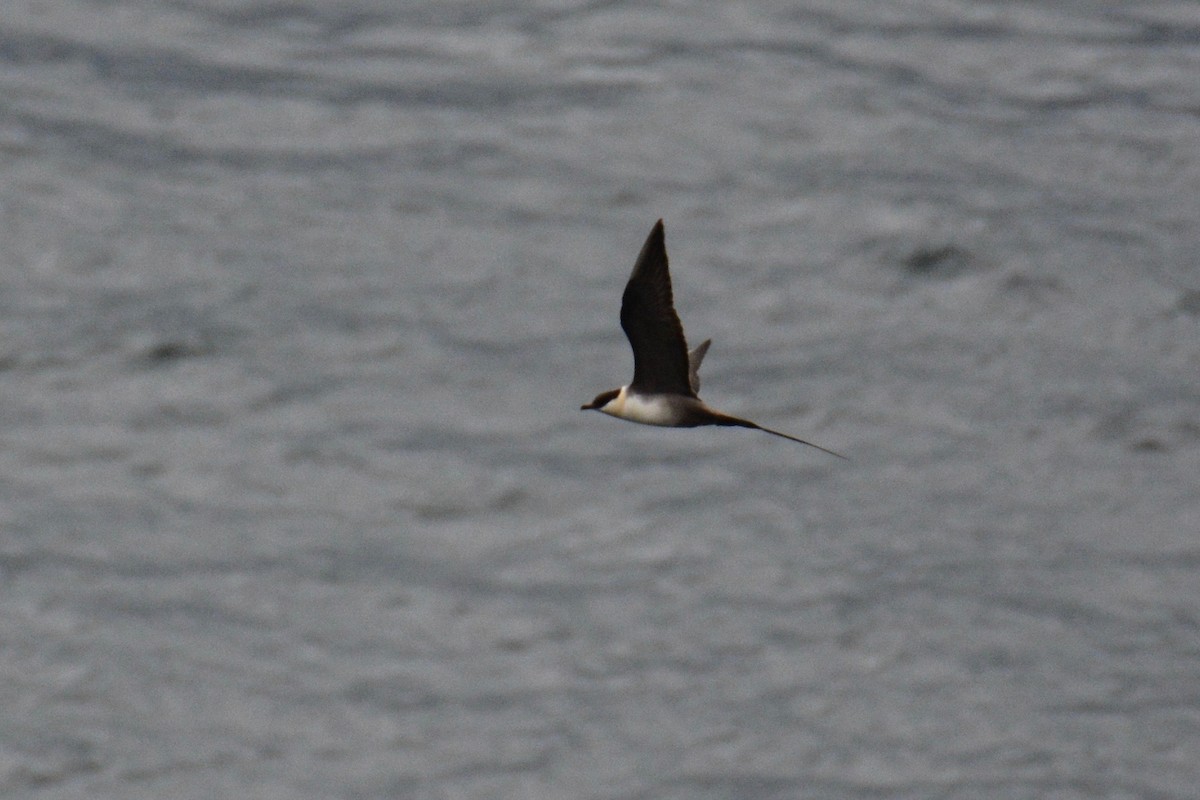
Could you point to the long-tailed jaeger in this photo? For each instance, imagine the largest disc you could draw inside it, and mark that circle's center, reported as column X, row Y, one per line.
column 666, row 376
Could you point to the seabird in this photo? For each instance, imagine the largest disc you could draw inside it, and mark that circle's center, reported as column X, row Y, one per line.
column 666, row 376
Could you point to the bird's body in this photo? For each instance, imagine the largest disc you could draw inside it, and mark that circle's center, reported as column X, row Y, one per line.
column 648, row 409
column 666, row 379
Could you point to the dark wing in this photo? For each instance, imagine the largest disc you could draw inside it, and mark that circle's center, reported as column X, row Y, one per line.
column 660, row 355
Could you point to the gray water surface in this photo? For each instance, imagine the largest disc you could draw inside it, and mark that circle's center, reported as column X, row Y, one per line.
column 299, row 301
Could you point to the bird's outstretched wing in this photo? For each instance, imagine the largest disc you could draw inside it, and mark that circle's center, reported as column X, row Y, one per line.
column 695, row 356
column 660, row 354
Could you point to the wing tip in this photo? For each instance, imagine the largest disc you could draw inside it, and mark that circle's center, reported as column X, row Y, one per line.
column 657, row 232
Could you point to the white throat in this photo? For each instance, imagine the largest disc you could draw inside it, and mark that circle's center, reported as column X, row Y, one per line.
column 648, row 410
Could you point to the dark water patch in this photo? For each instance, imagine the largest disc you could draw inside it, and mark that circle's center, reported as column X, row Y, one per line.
column 1189, row 303
column 324, row 20
column 174, row 350
column 1162, row 34
column 1130, row 427
column 49, row 760
column 173, row 415
column 26, row 49
column 939, row 261
column 396, row 693
column 746, row 786
column 1148, row 444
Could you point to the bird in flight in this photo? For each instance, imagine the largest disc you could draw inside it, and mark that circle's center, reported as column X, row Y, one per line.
column 666, row 378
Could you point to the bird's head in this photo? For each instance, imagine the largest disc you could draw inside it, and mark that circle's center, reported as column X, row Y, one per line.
column 602, row 400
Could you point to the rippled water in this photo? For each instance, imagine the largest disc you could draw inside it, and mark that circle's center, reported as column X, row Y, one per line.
column 299, row 301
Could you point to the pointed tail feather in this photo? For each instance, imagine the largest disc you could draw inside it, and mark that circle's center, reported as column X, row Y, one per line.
column 801, row 441
column 725, row 419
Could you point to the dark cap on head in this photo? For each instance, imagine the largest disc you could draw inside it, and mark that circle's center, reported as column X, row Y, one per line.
column 601, row 400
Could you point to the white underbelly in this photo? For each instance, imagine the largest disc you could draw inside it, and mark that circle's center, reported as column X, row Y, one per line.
column 646, row 410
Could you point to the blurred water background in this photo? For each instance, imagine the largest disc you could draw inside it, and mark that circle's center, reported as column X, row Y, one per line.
column 299, row 301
